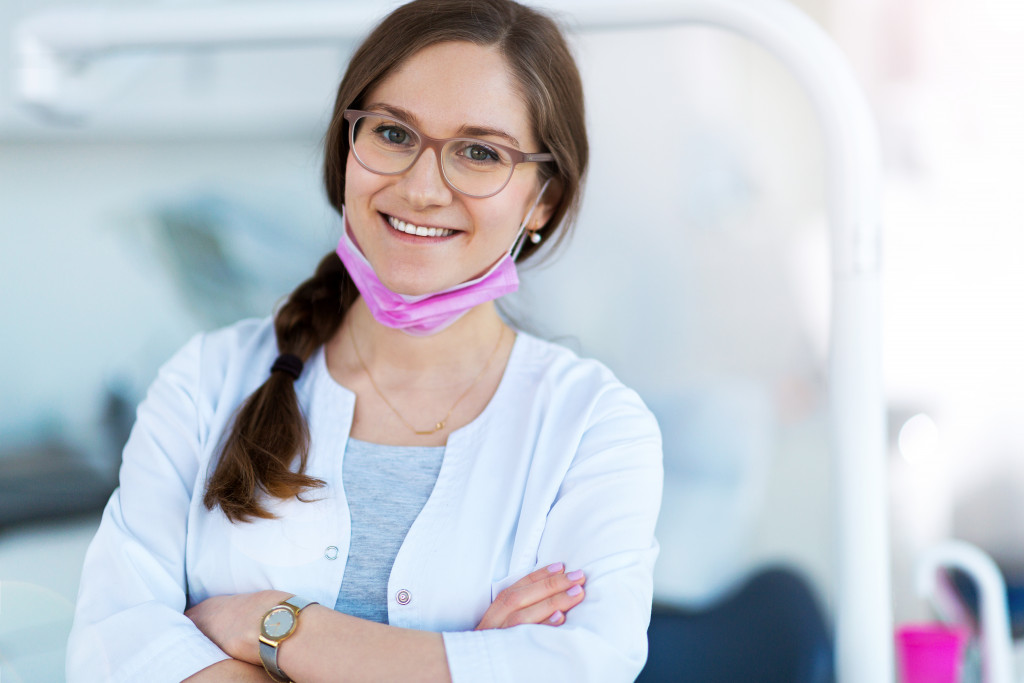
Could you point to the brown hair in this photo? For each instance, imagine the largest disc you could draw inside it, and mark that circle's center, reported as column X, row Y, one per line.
column 269, row 430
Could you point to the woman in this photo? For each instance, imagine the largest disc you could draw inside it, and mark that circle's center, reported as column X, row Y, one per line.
column 415, row 491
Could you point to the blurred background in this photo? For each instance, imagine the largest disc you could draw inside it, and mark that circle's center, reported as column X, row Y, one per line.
column 180, row 192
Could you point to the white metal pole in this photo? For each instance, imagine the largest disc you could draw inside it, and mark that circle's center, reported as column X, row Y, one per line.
column 49, row 45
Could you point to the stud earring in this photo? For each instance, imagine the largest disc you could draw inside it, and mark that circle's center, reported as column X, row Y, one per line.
column 536, row 237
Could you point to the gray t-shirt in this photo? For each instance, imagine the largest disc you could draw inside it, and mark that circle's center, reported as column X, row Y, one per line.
column 386, row 487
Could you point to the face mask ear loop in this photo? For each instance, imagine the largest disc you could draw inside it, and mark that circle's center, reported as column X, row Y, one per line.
column 517, row 245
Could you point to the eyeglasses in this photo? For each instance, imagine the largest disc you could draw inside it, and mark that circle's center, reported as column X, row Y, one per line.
column 477, row 168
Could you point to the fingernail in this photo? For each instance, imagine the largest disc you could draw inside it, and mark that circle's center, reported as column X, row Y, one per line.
column 575, row 590
column 575, row 576
column 556, row 617
column 556, row 567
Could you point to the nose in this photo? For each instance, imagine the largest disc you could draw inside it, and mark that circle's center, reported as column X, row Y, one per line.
column 423, row 184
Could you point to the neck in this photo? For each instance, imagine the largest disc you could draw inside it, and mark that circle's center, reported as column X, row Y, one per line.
column 460, row 348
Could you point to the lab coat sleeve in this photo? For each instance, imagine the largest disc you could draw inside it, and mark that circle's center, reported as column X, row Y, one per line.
column 129, row 623
column 602, row 521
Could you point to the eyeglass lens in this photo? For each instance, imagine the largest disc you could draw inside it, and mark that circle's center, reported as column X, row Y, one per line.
column 471, row 166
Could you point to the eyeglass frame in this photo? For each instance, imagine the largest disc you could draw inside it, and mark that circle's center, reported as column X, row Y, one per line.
column 437, row 144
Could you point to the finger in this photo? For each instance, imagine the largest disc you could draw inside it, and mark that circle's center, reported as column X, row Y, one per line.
column 530, row 590
column 550, row 611
column 512, row 600
column 540, row 575
column 532, row 593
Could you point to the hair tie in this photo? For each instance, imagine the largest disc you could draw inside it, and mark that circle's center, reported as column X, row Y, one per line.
column 288, row 363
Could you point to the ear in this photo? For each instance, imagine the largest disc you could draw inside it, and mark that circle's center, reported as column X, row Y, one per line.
column 547, row 205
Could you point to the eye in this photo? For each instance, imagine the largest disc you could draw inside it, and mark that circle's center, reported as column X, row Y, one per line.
column 393, row 134
column 479, row 153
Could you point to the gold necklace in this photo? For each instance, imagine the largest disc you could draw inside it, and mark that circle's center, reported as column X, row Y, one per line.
column 439, row 425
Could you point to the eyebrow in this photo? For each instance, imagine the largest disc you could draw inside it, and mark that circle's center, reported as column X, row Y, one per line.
column 466, row 130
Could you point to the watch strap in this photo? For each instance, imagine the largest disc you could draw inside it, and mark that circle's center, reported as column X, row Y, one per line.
column 268, row 655
column 299, row 603
column 268, row 652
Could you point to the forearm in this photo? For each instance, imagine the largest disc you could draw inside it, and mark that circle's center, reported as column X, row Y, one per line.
column 328, row 645
column 331, row 646
column 230, row 671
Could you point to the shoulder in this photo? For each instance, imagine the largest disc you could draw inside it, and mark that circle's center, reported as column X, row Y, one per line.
column 585, row 386
column 554, row 362
column 227, row 363
column 243, row 340
column 243, row 345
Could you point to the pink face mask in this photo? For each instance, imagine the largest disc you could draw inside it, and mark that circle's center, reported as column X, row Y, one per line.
column 427, row 314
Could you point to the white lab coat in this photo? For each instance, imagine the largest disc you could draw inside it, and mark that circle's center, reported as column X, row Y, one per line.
column 564, row 464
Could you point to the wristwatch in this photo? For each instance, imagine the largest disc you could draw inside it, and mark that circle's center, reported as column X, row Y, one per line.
column 279, row 623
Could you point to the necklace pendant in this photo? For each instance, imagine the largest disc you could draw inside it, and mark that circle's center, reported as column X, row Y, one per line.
column 427, row 432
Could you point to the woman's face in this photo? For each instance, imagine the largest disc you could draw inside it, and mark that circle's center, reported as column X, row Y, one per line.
column 446, row 90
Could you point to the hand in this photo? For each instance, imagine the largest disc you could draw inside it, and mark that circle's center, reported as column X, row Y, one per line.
column 233, row 621
column 542, row 597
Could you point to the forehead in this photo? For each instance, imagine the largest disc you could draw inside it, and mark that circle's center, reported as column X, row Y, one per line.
column 455, row 85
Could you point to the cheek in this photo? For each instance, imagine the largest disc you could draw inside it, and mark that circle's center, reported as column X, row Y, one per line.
column 516, row 208
column 359, row 183
column 500, row 225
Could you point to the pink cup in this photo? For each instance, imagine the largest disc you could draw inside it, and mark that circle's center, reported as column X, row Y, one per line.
column 930, row 653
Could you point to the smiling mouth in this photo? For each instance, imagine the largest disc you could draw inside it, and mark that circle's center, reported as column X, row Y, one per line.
column 418, row 230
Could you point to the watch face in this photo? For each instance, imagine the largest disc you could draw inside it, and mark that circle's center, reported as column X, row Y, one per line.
column 279, row 622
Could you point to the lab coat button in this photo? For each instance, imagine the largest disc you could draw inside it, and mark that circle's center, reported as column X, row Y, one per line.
column 403, row 597
column 331, row 552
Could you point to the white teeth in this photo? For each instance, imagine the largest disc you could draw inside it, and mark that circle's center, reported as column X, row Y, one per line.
column 411, row 229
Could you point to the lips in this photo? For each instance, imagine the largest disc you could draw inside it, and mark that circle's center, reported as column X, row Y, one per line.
column 418, row 230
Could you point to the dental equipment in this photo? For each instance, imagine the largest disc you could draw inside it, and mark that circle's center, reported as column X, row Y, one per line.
column 51, row 45
column 993, row 619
